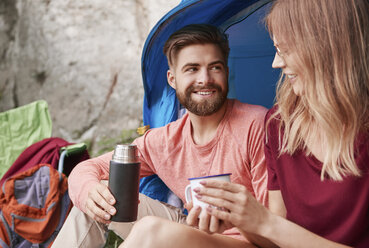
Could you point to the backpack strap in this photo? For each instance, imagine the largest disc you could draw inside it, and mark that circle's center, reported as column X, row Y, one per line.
column 2, row 242
column 66, row 206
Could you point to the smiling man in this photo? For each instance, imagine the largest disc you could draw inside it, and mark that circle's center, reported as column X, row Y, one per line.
column 215, row 136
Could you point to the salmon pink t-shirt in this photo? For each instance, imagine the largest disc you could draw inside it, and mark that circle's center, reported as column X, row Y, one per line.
column 171, row 153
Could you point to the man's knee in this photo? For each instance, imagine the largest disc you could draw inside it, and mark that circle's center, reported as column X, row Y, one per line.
column 79, row 230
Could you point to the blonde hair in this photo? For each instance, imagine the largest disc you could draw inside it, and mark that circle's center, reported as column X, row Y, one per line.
column 331, row 40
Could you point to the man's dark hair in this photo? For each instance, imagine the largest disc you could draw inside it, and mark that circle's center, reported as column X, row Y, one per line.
column 195, row 34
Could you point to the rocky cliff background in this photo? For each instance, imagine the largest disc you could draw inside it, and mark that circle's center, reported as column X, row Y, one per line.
column 83, row 58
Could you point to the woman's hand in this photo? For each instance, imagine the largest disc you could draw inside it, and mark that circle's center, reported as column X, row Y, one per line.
column 204, row 221
column 234, row 203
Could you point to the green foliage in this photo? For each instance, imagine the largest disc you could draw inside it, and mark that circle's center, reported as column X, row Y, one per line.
column 113, row 240
column 107, row 144
column 128, row 136
column 88, row 143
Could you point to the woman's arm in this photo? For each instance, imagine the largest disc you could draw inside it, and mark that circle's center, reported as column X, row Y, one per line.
column 276, row 206
column 251, row 217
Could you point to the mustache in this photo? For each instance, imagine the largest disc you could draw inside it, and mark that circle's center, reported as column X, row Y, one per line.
column 208, row 86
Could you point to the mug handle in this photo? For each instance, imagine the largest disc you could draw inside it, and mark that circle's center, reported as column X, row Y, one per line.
column 188, row 193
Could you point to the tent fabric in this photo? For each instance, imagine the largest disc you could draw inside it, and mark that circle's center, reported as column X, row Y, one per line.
column 160, row 103
column 20, row 128
column 251, row 77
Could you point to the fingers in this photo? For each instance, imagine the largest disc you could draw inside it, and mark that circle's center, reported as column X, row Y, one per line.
column 96, row 213
column 204, row 221
column 193, row 216
column 104, row 191
column 219, row 214
column 214, row 224
column 188, row 206
column 226, row 186
column 219, row 202
column 215, row 193
column 223, row 194
column 99, row 204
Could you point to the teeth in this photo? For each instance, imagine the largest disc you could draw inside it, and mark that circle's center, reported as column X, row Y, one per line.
column 291, row 76
column 204, row 93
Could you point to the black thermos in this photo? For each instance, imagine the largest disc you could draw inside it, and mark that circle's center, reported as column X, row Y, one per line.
column 124, row 173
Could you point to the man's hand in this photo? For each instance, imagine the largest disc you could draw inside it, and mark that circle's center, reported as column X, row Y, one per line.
column 204, row 221
column 99, row 204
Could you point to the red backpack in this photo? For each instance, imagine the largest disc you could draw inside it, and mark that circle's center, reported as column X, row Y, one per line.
column 33, row 207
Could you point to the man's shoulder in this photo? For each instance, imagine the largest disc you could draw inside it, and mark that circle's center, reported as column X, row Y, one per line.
column 248, row 112
column 170, row 128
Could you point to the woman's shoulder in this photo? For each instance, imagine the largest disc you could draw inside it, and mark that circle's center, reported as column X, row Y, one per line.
column 271, row 112
column 272, row 119
column 362, row 151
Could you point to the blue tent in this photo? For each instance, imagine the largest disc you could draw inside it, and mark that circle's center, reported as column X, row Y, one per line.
column 251, row 78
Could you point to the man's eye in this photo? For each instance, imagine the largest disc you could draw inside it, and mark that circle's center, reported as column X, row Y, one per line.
column 216, row 67
column 191, row 69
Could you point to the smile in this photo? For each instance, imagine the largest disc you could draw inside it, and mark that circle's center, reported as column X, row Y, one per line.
column 204, row 92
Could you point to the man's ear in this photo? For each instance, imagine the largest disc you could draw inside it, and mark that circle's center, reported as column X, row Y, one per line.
column 171, row 79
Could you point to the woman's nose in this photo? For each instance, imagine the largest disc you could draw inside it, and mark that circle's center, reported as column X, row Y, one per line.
column 278, row 61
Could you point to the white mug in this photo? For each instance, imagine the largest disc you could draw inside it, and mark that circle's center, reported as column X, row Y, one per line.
column 195, row 182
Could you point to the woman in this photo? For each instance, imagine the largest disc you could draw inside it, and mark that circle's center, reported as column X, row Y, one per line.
column 317, row 138
column 317, row 134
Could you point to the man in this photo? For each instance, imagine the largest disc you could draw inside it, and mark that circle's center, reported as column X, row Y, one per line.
column 215, row 136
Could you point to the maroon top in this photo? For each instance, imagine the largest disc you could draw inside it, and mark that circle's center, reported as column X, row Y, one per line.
column 336, row 210
column 45, row 151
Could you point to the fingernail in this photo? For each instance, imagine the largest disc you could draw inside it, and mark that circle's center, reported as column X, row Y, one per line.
column 198, row 196
column 209, row 209
column 197, row 190
column 203, row 182
column 112, row 210
column 111, row 201
column 107, row 216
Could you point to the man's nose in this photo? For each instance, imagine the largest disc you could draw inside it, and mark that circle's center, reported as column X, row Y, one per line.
column 204, row 76
column 278, row 62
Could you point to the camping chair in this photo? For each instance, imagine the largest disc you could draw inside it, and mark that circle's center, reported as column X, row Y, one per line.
column 34, row 196
column 25, row 126
column 20, row 128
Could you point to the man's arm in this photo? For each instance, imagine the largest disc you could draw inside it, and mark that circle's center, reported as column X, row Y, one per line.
column 90, row 194
column 258, row 169
column 87, row 175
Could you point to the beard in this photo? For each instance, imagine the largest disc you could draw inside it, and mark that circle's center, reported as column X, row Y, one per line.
column 205, row 107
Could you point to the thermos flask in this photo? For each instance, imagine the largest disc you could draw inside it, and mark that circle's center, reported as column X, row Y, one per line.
column 124, row 175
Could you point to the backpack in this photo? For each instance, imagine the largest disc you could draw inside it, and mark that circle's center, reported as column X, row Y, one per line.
column 33, row 207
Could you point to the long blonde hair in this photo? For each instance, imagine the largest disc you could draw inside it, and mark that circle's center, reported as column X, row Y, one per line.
column 331, row 40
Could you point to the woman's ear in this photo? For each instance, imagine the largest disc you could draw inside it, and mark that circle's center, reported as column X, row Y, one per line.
column 171, row 79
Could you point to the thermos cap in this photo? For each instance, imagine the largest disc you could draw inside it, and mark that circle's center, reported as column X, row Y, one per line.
column 125, row 154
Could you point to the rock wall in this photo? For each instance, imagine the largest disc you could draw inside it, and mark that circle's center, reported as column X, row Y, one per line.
column 83, row 58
